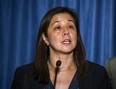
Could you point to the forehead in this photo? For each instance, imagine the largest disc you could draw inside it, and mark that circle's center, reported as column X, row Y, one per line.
column 62, row 16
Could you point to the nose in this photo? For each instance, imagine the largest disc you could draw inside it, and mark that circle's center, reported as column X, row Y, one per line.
column 65, row 31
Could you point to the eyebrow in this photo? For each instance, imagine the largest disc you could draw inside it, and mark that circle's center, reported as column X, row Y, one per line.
column 72, row 21
column 55, row 22
column 60, row 21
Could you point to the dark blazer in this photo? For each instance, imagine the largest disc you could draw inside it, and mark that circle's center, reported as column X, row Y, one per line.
column 96, row 78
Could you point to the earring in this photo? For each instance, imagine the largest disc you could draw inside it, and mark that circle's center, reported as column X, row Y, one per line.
column 47, row 43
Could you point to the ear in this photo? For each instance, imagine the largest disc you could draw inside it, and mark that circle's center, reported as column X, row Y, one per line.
column 45, row 39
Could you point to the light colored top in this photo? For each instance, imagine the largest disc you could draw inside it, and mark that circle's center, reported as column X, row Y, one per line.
column 111, row 69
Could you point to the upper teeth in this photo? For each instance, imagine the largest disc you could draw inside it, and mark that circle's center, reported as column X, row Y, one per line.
column 66, row 41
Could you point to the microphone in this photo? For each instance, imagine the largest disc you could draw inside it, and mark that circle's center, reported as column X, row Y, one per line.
column 58, row 63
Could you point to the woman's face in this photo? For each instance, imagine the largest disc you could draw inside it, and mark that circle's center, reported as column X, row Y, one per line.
column 62, row 34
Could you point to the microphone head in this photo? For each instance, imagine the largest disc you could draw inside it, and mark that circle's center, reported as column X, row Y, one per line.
column 58, row 63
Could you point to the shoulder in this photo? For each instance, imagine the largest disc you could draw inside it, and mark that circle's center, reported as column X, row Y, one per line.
column 24, row 71
column 26, row 68
column 96, row 70
column 110, row 65
column 96, row 77
column 95, row 67
column 24, row 78
column 111, row 61
column 22, row 75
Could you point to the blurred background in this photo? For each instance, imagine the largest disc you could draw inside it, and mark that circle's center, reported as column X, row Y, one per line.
column 19, row 23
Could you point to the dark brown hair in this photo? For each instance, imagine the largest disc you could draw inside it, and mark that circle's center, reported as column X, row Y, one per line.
column 42, row 50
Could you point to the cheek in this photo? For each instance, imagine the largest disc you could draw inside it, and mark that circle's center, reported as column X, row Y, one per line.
column 53, row 38
column 74, row 36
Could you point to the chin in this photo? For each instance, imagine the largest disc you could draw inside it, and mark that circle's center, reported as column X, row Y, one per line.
column 67, row 51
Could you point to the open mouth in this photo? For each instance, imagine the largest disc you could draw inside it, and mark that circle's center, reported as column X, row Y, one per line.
column 66, row 41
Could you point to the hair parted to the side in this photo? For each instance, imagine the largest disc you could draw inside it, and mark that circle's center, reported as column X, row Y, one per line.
column 42, row 50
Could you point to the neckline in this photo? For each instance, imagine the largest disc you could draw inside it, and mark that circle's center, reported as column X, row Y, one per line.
column 73, row 79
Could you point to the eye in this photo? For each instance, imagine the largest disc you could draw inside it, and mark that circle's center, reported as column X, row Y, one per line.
column 58, row 28
column 71, row 27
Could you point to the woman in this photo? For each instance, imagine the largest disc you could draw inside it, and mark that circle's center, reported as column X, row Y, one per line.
column 59, row 39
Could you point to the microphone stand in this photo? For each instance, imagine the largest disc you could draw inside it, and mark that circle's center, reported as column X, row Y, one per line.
column 56, row 72
column 58, row 63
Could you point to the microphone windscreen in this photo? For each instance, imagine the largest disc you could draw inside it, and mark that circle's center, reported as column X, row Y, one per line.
column 58, row 63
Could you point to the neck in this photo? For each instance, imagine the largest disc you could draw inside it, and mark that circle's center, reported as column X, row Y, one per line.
column 67, row 63
column 66, row 59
